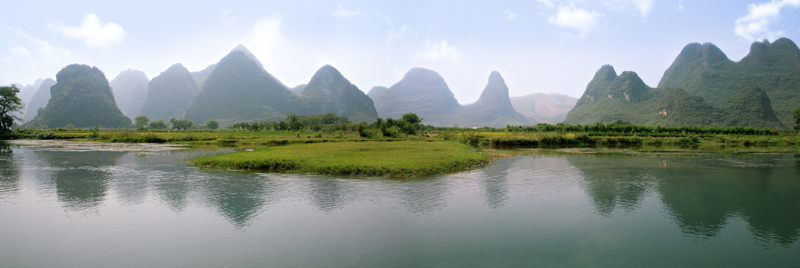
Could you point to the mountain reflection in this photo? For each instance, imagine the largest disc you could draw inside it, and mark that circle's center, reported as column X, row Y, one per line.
column 80, row 182
column 703, row 193
column 495, row 185
column 9, row 172
column 240, row 198
column 328, row 194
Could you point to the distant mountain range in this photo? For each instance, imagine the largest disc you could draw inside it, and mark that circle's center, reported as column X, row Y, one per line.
column 702, row 88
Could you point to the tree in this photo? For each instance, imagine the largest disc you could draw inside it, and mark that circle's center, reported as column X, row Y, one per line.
column 412, row 118
column 212, row 124
column 158, row 124
column 296, row 126
column 141, row 122
column 797, row 119
column 10, row 105
column 181, row 124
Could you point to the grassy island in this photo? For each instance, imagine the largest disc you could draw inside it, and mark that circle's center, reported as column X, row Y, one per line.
column 371, row 158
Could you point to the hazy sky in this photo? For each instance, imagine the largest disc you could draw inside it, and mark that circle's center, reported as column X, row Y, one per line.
column 537, row 45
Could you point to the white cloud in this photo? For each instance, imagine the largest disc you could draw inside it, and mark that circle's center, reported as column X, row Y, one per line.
column 439, row 51
column 642, row 7
column 680, row 4
column 93, row 32
column 396, row 34
column 341, row 13
column 29, row 49
column 546, row 3
column 755, row 25
column 575, row 18
column 226, row 17
column 510, row 15
column 266, row 39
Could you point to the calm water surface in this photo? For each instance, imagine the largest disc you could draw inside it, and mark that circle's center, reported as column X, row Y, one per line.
column 148, row 209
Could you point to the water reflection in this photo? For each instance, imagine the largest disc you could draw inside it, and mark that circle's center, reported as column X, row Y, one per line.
column 80, row 182
column 422, row 196
column 9, row 172
column 239, row 198
column 616, row 182
column 703, row 193
column 495, row 185
column 328, row 194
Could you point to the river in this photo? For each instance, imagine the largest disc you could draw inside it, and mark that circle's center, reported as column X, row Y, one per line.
column 147, row 208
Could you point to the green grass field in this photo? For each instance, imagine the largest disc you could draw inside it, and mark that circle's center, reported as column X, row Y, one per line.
column 370, row 158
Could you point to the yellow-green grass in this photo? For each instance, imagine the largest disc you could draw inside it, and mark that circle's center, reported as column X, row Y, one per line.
column 370, row 158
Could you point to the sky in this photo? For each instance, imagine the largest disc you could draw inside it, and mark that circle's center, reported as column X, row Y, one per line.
column 539, row 46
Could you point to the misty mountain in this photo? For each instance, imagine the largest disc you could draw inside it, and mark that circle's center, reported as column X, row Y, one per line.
column 547, row 108
column 626, row 97
column 239, row 89
column 169, row 93
column 704, row 70
column 492, row 109
column 124, row 86
column 137, row 100
column 425, row 93
column 39, row 99
column 82, row 97
column 298, row 90
column 421, row 91
column 201, row 76
column 26, row 92
column 329, row 92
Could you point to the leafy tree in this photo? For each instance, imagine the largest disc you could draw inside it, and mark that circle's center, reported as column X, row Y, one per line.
column 296, row 126
column 158, row 124
column 291, row 118
column 181, row 124
column 212, row 124
column 10, row 104
column 412, row 118
column 797, row 119
column 141, row 122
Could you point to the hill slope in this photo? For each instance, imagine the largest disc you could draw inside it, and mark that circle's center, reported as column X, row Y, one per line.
column 609, row 97
column 169, row 93
column 704, row 70
column 421, row 91
column 238, row 89
column 39, row 99
column 124, row 87
column 329, row 92
column 492, row 109
column 82, row 97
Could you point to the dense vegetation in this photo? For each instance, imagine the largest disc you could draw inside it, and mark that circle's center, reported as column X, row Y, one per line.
column 10, row 106
column 83, row 98
column 704, row 70
column 609, row 97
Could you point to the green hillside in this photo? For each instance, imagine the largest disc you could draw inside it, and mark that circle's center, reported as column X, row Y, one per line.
column 492, row 109
column 421, row 91
column 609, row 97
column 124, row 87
column 704, row 70
column 83, row 98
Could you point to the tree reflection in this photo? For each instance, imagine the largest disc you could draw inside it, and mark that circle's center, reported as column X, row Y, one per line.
column 328, row 194
column 9, row 172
